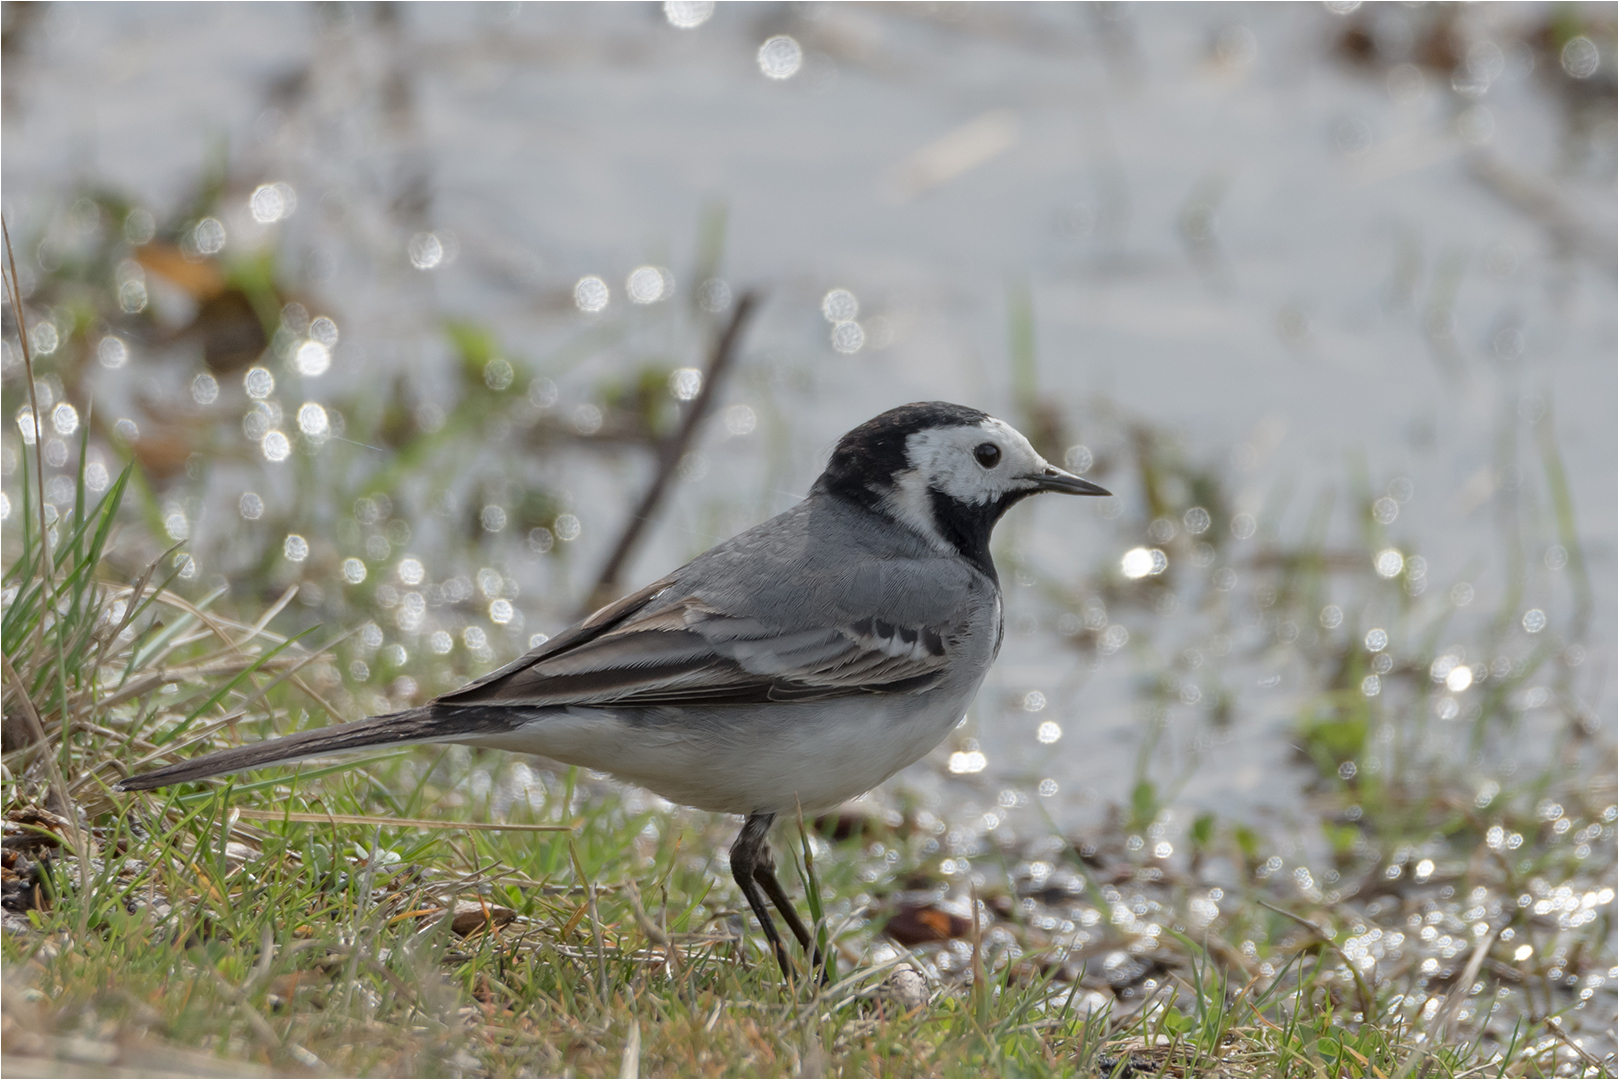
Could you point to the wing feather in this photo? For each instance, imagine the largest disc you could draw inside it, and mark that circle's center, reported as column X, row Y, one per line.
column 651, row 650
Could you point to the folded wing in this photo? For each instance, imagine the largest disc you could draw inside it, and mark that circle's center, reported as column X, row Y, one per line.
column 657, row 649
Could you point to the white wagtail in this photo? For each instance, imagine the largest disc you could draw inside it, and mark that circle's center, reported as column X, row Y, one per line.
column 790, row 668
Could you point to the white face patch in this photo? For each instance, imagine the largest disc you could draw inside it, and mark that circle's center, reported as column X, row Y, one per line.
column 945, row 460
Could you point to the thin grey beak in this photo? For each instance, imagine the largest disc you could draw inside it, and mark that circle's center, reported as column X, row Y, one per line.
column 1055, row 479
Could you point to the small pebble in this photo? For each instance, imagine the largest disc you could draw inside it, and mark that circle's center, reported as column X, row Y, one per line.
column 907, row 986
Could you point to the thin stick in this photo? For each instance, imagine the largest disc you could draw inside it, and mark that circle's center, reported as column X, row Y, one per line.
column 1555, row 1026
column 721, row 360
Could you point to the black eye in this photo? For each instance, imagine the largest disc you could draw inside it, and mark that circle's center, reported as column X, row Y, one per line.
column 988, row 455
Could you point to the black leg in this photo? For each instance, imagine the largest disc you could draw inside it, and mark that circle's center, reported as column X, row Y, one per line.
column 765, row 874
column 755, row 869
column 748, row 853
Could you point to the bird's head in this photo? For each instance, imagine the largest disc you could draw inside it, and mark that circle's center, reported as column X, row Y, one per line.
column 946, row 471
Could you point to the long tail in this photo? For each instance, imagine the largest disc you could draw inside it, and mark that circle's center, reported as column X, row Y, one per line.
column 428, row 723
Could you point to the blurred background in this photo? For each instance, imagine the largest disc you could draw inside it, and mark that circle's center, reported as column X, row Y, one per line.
column 404, row 305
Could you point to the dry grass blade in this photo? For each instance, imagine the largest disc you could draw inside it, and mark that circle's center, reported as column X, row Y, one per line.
column 1555, row 1026
column 630, row 1066
column 393, row 822
column 217, row 627
column 274, row 610
column 14, row 296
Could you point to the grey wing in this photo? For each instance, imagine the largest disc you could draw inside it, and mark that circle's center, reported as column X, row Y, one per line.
column 688, row 652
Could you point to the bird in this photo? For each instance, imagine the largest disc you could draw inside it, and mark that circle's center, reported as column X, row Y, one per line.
column 786, row 670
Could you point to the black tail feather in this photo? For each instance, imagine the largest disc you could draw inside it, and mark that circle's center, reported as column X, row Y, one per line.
column 429, row 723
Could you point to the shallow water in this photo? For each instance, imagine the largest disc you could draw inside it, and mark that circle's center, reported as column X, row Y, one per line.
column 1223, row 232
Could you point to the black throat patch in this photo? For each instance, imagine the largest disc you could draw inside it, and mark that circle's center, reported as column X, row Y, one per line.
column 967, row 527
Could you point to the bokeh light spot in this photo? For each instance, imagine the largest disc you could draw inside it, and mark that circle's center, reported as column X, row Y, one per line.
column 1580, row 57
column 258, row 383
column 275, row 446
column 44, row 339
column 272, row 202
column 209, row 236
column 312, row 359
column 685, row 383
column 839, row 305
column 590, row 294
column 780, row 57
column 688, row 14
column 426, row 251
column 65, row 419
column 964, row 762
column 1141, row 562
column 313, row 421
column 848, row 337
column 647, row 285
column 1388, row 563
column 740, row 420
column 112, row 352
column 498, row 375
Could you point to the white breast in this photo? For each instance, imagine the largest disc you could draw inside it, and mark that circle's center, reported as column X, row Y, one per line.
column 813, row 755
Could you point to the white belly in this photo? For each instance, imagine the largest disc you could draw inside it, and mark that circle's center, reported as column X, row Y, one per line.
column 775, row 759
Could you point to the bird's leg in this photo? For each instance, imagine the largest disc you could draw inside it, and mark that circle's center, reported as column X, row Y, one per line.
column 748, row 854
column 765, row 874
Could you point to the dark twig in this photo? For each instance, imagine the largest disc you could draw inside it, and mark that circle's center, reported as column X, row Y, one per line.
column 721, row 360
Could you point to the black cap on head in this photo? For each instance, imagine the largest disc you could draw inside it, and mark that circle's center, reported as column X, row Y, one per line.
column 873, row 452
